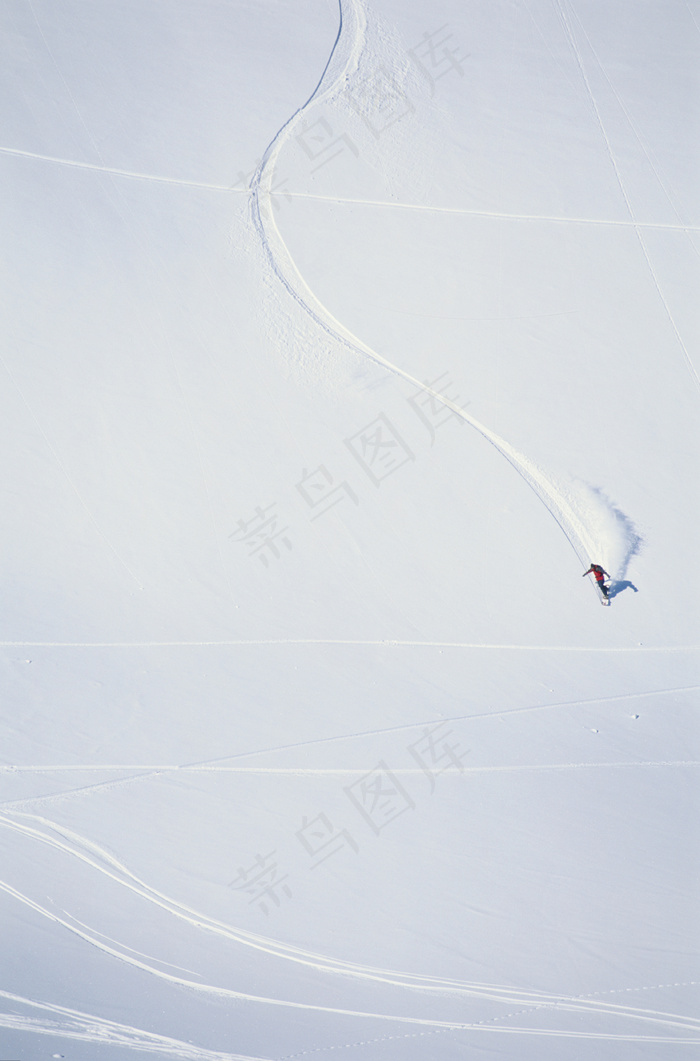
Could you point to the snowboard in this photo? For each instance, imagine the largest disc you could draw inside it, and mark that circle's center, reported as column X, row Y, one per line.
column 605, row 601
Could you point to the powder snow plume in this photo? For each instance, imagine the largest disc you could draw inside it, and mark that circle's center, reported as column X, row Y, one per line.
column 609, row 536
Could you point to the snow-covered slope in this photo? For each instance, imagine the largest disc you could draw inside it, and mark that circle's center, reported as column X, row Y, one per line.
column 338, row 341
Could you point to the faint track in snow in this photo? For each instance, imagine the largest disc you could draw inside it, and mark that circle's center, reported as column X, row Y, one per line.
column 378, row 643
column 654, row 163
column 113, row 171
column 495, row 214
column 330, row 771
column 89, row 853
column 692, row 16
column 441, row 1031
column 301, row 771
column 342, row 64
column 147, row 771
column 481, row 1026
column 563, row 7
column 156, row 178
column 117, row 943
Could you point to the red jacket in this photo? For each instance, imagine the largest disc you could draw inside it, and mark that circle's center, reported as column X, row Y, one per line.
column 600, row 573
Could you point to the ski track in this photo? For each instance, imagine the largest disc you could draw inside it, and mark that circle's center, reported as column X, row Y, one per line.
column 555, row 219
column 692, row 16
column 148, row 771
column 562, row 1004
column 91, row 854
column 381, row 643
column 115, row 172
column 654, row 163
column 85, row 1027
column 330, row 771
column 116, row 942
column 122, row 209
column 480, row 1026
column 563, row 7
column 42, row 799
column 345, row 57
column 185, row 182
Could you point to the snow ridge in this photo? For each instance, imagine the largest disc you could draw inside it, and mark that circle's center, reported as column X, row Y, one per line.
column 578, row 518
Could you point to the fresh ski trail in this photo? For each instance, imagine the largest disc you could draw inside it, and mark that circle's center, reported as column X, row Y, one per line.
column 341, row 65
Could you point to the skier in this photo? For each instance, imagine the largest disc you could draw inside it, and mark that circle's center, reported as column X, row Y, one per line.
column 600, row 575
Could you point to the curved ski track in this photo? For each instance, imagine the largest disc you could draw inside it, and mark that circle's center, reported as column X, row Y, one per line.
column 342, row 63
column 73, row 845
column 85, row 1027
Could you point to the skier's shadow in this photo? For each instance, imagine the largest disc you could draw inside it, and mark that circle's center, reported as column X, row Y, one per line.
column 619, row 586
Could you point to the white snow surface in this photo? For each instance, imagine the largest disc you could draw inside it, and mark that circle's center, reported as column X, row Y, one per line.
column 338, row 341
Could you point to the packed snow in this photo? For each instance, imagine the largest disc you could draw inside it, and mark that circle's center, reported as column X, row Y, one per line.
column 339, row 340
